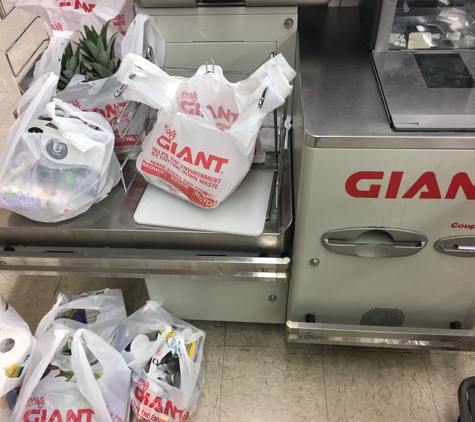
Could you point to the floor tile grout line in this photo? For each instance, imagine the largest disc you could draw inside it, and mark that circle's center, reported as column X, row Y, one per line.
column 325, row 385
column 221, row 386
column 430, row 386
column 225, row 333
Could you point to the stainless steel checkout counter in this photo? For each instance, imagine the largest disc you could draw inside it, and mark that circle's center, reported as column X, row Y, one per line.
column 370, row 204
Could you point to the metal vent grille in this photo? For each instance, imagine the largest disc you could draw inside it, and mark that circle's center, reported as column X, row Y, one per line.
column 383, row 317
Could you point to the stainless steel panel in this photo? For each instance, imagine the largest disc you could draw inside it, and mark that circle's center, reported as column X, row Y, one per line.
column 460, row 246
column 226, row 300
column 110, row 223
column 123, row 264
column 356, row 116
column 394, row 337
column 374, row 242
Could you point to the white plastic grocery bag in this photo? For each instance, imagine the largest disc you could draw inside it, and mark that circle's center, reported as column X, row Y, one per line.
column 143, row 33
column 71, row 15
column 166, row 381
column 97, row 392
column 50, row 60
column 57, row 160
column 99, row 95
column 16, row 344
column 100, row 311
column 203, row 142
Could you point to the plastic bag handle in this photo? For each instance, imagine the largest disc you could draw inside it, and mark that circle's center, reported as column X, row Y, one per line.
column 48, row 319
column 86, row 382
column 36, row 99
column 73, row 133
column 32, row 380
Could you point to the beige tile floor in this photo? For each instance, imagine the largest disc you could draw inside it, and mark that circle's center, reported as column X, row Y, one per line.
column 252, row 374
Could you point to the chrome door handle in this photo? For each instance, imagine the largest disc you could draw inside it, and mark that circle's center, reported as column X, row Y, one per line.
column 372, row 242
column 461, row 246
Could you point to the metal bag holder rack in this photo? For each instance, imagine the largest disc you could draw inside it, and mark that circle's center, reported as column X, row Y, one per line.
column 3, row 12
column 280, row 131
column 28, row 77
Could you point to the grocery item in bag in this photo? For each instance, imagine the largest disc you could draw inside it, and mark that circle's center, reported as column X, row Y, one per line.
column 166, row 357
column 99, row 95
column 16, row 344
column 57, row 160
column 92, row 392
column 203, row 142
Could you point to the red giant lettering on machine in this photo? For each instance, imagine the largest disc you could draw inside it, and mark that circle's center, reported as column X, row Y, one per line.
column 425, row 187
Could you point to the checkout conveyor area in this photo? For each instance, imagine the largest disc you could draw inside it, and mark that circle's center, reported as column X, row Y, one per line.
column 343, row 103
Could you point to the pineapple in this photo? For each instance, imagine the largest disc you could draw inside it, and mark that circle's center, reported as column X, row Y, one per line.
column 99, row 59
column 94, row 57
column 70, row 66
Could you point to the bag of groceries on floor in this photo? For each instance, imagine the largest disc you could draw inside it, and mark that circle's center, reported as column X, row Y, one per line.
column 203, row 143
column 16, row 344
column 100, row 311
column 166, row 358
column 91, row 384
column 71, row 15
column 89, row 84
column 57, row 160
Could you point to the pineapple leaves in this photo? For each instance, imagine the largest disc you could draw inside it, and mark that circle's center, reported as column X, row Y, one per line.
column 110, row 47
column 101, row 70
column 92, row 48
column 114, row 64
column 104, row 34
column 94, row 57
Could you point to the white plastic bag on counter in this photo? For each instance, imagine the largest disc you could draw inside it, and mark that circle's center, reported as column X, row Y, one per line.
column 50, row 60
column 143, row 33
column 16, row 344
column 122, row 21
column 91, row 391
column 166, row 382
column 203, row 142
column 100, row 311
column 57, row 160
column 98, row 96
column 71, row 15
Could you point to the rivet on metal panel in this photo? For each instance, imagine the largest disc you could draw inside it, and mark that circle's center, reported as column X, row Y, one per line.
column 272, row 298
column 289, row 23
column 314, row 262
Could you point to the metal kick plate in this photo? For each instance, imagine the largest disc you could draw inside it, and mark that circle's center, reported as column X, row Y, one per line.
column 372, row 336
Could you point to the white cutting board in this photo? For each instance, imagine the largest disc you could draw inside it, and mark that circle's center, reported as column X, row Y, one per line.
column 244, row 212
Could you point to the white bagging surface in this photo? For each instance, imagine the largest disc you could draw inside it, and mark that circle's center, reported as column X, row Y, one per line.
column 244, row 212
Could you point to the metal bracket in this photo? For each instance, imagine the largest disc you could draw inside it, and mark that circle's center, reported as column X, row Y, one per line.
column 7, row 51
column 4, row 13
